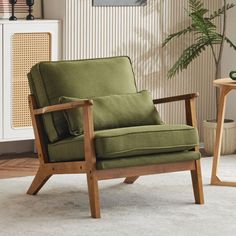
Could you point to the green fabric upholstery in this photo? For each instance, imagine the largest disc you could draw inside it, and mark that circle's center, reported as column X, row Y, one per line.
column 81, row 79
column 143, row 140
column 148, row 160
column 126, row 142
column 115, row 148
column 115, row 111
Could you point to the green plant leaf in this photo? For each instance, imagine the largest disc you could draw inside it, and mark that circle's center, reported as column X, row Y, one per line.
column 195, row 5
column 205, row 35
column 231, row 44
column 178, row 34
column 188, row 55
column 221, row 11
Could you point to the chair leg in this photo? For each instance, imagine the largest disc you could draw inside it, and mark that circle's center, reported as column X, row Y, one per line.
column 197, row 183
column 131, row 180
column 39, row 180
column 93, row 196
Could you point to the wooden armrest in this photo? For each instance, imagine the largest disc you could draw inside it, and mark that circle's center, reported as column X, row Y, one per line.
column 87, row 121
column 189, row 105
column 176, row 98
column 61, row 107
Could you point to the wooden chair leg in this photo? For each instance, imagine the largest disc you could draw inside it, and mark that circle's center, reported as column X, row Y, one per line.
column 197, row 183
column 131, row 180
column 39, row 180
column 93, row 196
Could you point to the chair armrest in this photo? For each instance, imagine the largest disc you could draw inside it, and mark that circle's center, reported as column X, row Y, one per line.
column 61, row 107
column 176, row 98
column 87, row 121
column 190, row 109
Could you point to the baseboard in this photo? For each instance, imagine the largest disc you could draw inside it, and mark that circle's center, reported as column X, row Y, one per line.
column 16, row 147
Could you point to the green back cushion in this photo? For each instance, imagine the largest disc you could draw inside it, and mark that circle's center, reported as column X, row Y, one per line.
column 115, row 111
column 81, row 79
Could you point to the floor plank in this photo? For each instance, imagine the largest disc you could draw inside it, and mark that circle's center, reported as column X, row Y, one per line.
column 18, row 165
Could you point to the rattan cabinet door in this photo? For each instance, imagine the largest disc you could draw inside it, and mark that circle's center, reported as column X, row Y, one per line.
column 25, row 44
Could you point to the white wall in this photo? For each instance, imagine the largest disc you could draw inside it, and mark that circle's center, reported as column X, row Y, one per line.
column 229, row 61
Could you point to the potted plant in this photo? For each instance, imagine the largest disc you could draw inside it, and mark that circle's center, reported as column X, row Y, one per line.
column 206, row 34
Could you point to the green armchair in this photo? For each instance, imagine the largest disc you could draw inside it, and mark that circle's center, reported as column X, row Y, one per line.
column 126, row 138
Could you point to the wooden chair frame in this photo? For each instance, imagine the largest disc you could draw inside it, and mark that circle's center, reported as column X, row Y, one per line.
column 88, row 167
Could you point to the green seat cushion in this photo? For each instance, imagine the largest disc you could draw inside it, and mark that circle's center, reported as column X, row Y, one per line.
column 143, row 140
column 81, row 79
column 148, row 160
column 126, row 142
column 115, row 111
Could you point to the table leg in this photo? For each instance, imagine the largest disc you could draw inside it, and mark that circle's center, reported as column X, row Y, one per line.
column 219, row 131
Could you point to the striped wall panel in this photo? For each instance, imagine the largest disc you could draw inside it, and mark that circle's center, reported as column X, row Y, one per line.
column 20, row 7
column 138, row 32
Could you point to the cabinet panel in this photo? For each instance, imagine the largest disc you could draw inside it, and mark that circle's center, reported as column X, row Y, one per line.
column 24, row 45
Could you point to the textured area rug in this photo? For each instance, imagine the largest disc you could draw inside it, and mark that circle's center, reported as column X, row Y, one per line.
column 154, row 205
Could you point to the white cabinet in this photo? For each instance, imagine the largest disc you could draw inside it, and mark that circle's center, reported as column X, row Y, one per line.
column 23, row 44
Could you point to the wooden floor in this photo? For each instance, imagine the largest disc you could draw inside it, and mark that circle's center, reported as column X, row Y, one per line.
column 18, row 165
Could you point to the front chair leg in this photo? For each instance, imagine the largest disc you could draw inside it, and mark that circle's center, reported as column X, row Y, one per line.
column 39, row 180
column 197, row 183
column 131, row 180
column 93, row 196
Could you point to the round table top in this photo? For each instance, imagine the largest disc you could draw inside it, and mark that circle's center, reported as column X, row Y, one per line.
column 225, row 82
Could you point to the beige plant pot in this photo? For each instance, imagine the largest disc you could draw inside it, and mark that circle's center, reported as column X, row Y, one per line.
column 228, row 140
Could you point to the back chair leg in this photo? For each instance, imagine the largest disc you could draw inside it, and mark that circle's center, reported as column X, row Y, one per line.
column 131, row 180
column 197, row 183
column 39, row 180
column 93, row 196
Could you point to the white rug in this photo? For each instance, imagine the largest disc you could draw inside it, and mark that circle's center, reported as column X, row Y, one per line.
column 154, row 205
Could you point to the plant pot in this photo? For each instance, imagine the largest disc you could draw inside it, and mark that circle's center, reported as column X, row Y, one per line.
column 228, row 139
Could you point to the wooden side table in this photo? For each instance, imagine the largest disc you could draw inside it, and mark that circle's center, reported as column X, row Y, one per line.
column 225, row 85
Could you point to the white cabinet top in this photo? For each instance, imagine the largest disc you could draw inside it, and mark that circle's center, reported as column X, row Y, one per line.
column 20, row 21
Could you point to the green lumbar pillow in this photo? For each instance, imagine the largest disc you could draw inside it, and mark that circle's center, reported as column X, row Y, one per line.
column 114, row 111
